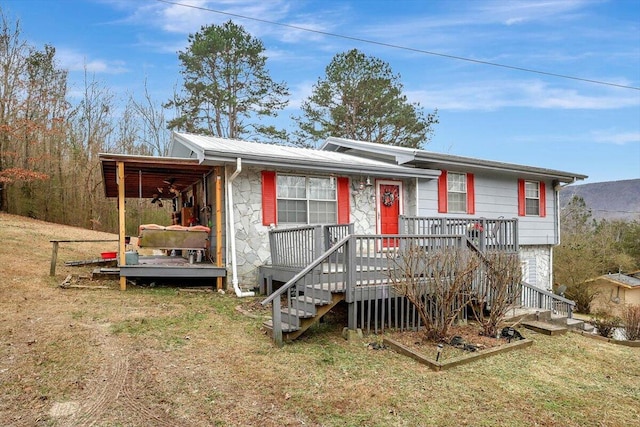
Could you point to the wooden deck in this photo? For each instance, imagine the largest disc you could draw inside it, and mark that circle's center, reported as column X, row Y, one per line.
column 171, row 267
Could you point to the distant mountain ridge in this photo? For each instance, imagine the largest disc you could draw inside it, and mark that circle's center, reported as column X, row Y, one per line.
column 609, row 200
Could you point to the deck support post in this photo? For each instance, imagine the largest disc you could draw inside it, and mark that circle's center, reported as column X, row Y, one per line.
column 54, row 259
column 121, row 224
column 350, row 265
column 218, row 224
column 276, row 319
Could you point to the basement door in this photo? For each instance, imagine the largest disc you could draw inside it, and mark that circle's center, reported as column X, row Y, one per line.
column 389, row 202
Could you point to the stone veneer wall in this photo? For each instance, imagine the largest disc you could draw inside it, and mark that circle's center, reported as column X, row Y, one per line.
column 540, row 255
column 252, row 238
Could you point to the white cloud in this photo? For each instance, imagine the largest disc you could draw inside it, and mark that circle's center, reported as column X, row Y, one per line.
column 492, row 95
column 520, row 11
column 76, row 61
column 299, row 93
column 616, row 138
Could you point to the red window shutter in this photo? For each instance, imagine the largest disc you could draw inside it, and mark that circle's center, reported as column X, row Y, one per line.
column 522, row 209
column 269, row 205
column 344, row 208
column 442, row 192
column 471, row 194
column 543, row 200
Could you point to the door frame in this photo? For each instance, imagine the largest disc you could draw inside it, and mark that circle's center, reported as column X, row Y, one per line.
column 379, row 183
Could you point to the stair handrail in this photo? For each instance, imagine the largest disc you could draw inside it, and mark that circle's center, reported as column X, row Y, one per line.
column 337, row 246
column 555, row 297
column 274, row 298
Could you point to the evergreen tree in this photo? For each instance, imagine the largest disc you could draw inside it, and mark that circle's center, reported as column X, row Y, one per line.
column 227, row 87
column 361, row 98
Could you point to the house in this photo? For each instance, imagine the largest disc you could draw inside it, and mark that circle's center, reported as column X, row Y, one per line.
column 278, row 212
column 347, row 181
column 615, row 291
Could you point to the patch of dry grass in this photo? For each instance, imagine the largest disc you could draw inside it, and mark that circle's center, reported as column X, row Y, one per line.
column 163, row 357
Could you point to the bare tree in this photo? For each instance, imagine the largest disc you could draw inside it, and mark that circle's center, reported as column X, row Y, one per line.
column 153, row 133
column 436, row 283
column 92, row 132
column 13, row 52
column 497, row 288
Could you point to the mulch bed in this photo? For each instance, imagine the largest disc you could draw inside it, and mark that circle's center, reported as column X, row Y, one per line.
column 468, row 341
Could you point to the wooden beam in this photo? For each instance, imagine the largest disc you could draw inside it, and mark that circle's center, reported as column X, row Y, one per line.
column 218, row 179
column 54, row 258
column 121, row 222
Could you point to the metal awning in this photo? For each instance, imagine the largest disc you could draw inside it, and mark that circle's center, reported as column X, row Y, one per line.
column 145, row 174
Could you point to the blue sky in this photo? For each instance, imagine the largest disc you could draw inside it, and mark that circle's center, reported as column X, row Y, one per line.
column 489, row 112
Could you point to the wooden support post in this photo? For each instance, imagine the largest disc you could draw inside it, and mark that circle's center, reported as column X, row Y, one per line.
column 218, row 224
column 350, row 266
column 121, row 223
column 54, row 259
column 277, row 322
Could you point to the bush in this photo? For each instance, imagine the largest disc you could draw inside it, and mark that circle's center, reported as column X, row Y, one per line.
column 631, row 321
column 605, row 323
column 437, row 283
column 583, row 294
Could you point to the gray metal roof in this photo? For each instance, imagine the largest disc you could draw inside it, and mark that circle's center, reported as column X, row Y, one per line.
column 213, row 150
column 624, row 279
column 432, row 160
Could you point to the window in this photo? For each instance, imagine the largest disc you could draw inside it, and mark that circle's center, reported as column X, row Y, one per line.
column 531, row 198
column 456, row 193
column 306, row 200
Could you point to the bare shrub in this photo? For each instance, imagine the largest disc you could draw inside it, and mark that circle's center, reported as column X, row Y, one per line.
column 497, row 287
column 631, row 321
column 605, row 323
column 437, row 283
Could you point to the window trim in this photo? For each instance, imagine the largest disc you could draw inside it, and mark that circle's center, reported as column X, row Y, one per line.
column 270, row 200
column 443, row 193
column 307, row 199
column 522, row 198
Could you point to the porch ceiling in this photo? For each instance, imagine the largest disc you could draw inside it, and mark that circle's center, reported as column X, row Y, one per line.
column 144, row 174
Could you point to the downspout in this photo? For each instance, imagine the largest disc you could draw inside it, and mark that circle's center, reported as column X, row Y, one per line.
column 232, row 232
column 556, row 190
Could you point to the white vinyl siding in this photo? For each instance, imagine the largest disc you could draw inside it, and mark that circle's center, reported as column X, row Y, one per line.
column 496, row 196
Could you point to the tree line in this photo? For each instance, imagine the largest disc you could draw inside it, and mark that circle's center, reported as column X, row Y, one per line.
column 590, row 248
column 49, row 141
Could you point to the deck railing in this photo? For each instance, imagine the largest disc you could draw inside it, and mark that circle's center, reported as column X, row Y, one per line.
column 498, row 234
column 297, row 247
column 365, row 264
column 537, row 298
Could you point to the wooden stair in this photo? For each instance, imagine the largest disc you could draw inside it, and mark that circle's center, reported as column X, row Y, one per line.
column 307, row 310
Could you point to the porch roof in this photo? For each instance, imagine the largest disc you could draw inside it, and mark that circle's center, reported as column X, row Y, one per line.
column 216, row 151
column 428, row 159
column 630, row 281
column 144, row 174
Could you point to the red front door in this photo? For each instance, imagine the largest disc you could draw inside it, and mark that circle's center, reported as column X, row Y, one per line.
column 389, row 209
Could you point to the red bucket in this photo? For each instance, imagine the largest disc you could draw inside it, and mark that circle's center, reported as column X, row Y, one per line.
column 108, row 255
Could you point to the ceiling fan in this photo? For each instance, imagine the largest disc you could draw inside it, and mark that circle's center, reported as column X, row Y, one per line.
column 157, row 197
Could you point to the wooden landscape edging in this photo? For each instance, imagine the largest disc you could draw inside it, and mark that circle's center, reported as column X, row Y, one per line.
column 609, row 340
column 456, row 361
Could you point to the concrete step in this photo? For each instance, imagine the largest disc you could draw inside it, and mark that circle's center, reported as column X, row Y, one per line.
column 523, row 313
column 544, row 327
